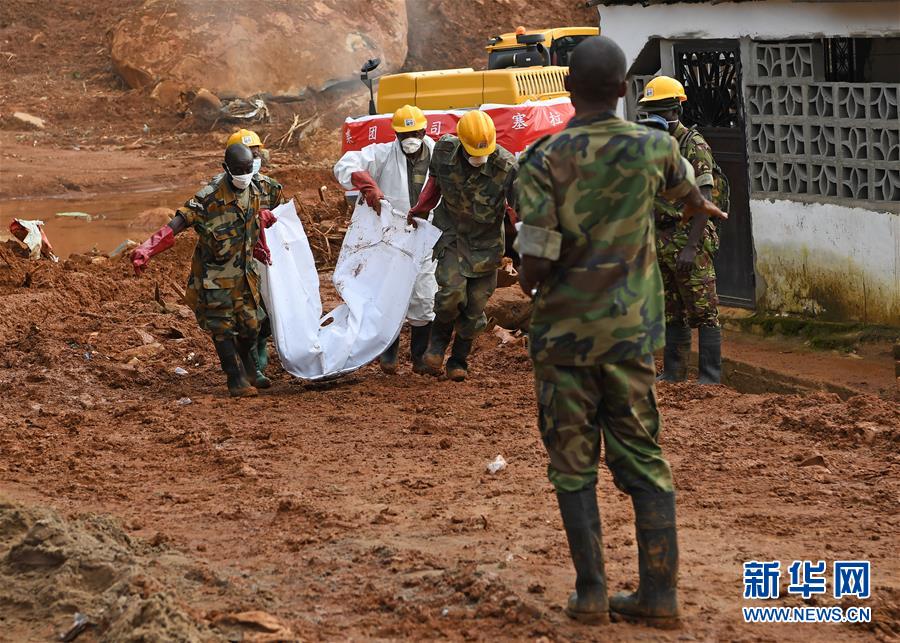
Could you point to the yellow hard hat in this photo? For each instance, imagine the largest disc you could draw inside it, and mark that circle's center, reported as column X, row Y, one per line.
column 477, row 133
column 245, row 136
column 409, row 119
column 662, row 88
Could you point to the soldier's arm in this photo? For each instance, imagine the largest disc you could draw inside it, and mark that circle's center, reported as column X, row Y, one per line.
column 164, row 238
column 539, row 241
column 702, row 163
column 680, row 184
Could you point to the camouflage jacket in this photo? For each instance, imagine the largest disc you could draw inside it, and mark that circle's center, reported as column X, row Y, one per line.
column 696, row 150
column 586, row 201
column 227, row 229
column 472, row 205
column 271, row 195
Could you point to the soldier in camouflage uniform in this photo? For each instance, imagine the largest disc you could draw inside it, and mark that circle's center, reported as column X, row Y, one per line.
column 585, row 197
column 686, row 250
column 270, row 197
column 223, row 288
column 471, row 175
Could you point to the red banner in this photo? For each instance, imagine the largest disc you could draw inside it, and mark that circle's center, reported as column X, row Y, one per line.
column 517, row 125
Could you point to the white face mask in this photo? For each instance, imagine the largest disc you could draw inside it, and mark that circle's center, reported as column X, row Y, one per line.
column 411, row 145
column 241, row 181
column 477, row 161
column 257, row 165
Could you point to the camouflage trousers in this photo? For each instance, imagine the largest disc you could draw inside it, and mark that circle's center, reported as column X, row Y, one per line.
column 459, row 299
column 691, row 297
column 580, row 407
column 229, row 312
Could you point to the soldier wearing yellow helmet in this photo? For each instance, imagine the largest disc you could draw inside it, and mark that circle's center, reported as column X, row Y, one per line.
column 471, row 176
column 685, row 250
column 271, row 196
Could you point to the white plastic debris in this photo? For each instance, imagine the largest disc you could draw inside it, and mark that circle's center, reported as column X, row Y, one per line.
column 180, row 371
column 497, row 465
column 185, row 401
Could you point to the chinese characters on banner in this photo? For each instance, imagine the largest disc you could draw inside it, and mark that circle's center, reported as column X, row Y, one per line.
column 517, row 125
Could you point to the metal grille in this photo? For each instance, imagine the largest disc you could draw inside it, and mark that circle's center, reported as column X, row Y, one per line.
column 710, row 81
column 538, row 83
column 841, row 60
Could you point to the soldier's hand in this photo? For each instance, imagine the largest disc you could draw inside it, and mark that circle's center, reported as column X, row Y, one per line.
column 139, row 260
column 685, row 261
column 702, row 206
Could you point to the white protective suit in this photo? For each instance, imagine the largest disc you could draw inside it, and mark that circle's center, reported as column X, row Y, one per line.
column 386, row 164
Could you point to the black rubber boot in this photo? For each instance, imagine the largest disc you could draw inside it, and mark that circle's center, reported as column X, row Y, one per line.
column 437, row 346
column 389, row 358
column 248, row 351
column 710, row 349
column 676, row 354
column 581, row 519
column 458, row 365
column 655, row 602
column 418, row 344
column 238, row 386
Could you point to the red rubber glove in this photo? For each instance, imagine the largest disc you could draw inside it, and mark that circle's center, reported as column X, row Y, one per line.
column 267, row 219
column 366, row 185
column 162, row 240
column 428, row 199
column 261, row 249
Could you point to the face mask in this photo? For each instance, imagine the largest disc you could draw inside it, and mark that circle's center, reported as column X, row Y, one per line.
column 672, row 123
column 411, row 145
column 477, row 161
column 240, row 181
column 257, row 165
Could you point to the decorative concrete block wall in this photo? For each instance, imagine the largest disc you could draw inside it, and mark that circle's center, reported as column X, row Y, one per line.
column 835, row 142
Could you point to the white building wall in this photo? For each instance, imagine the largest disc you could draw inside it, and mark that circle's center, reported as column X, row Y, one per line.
column 821, row 258
column 830, row 260
column 631, row 26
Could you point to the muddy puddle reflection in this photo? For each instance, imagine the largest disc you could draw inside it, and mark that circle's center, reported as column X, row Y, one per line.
column 114, row 217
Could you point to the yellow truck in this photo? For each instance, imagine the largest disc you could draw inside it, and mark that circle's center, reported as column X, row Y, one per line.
column 524, row 65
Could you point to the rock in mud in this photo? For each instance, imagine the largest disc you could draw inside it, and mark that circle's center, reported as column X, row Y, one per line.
column 509, row 308
column 291, row 46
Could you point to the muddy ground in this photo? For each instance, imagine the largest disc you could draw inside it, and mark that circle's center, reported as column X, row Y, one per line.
column 161, row 509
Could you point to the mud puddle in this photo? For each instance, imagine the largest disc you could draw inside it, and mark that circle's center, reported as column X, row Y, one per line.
column 113, row 218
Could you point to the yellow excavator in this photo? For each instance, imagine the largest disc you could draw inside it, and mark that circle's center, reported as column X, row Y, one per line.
column 524, row 65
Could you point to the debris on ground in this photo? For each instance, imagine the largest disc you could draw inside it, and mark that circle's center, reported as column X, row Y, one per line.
column 28, row 119
column 498, row 464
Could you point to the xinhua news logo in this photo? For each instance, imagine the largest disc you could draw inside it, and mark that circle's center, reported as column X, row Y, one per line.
column 849, row 578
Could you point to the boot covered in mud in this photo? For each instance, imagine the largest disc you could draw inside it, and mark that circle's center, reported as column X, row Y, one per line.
column 389, row 358
column 655, row 602
column 676, row 354
column 238, row 386
column 419, row 337
column 262, row 354
column 248, row 351
column 581, row 519
column 710, row 349
column 458, row 364
column 441, row 332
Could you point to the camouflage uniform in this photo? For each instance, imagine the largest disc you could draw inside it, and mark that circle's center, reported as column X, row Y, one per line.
column 691, row 297
column 223, row 288
column 586, row 198
column 470, row 215
column 270, row 197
